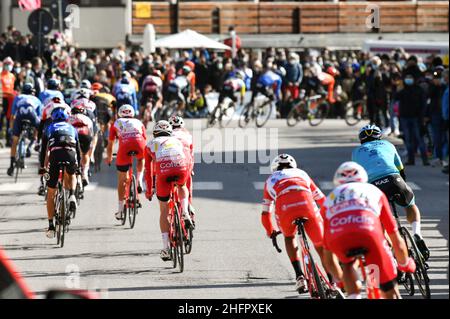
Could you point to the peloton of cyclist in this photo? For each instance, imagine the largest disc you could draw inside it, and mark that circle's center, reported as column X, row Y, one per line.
column 53, row 86
column 152, row 89
column 132, row 138
column 386, row 171
column 290, row 193
column 356, row 214
column 63, row 146
column 169, row 162
column 26, row 106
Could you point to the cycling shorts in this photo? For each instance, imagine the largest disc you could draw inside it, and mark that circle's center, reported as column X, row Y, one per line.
column 59, row 156
column 124, row 160
column 164, row 182
column 18, row 122
column 393, row 185
column 299, row 204
column 379, row 253
column 85, row 143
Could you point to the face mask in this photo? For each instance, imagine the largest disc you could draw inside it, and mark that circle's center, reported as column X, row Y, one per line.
column 83, row 58
column 18, row 70
column 409, row 81
column 9, row 68
column 292, row 61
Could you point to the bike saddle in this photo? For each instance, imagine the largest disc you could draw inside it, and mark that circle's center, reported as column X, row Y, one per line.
column 356, row 252
column 132, row 153
column 173, row 179
column 300, row 221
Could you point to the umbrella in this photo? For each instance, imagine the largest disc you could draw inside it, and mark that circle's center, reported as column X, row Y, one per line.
column 189, row 39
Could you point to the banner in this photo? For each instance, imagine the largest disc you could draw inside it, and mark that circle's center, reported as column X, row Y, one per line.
column 29, row 5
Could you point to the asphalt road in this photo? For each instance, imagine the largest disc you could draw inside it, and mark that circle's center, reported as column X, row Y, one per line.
column 231, row 257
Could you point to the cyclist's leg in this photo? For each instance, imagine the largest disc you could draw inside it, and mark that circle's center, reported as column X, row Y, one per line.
column 140, row 145
column 123, row 163
column 163, row 189
column 85, row 146
column 17, row 129
column 70, row 181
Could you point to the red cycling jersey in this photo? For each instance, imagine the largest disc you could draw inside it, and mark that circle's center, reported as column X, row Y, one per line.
column 132, row 138
column 82, row 124
column 295, row 196
column 355, row 215
column 166, row 157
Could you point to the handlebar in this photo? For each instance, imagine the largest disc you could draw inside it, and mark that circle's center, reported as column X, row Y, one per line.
column 274, row 241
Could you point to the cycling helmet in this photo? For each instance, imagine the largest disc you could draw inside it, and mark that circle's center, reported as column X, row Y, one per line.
column 283, row 161
column 60, row 115
column 125, row 79
column 157, row 73
column 162, row 127
column 97, row 86
column 71, row 84
column 83, row 94
column 190, row 64
column 350, row 172
column 332, row 71
column 28, row 89
column 369, row 133
column 240, row 74
column 53, row 84
column 78, row 107
column 186, row 70
column 126, row 111
column 86, row 84
column 176, row 121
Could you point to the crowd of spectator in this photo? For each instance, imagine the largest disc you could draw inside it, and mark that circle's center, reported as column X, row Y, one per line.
column 405, row 95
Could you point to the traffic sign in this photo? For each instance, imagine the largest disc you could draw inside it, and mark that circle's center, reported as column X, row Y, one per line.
column 55, row 7
column 40, row 22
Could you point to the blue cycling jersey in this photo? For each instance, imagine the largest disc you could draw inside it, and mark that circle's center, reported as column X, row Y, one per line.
column 379, row 158
column 26, row 104
column 47, row 95
column 271, row 79
column 61, row 134
column 126, row 94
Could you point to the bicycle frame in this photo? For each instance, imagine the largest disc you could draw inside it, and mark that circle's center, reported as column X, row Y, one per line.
column 175, row 202
column 372, row 291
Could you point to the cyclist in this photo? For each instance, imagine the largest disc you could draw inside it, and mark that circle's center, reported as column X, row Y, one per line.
column 52, row 91
column 86, row 84
column 46, row 120
column 69, row 89
column 293, row 194
column 356, row 214
column 125, row 93
column 132, row 138
column 63, row 146
column 26, row 106
column 180, row 88
column 167, row 160
column 81, row 93
column 105, row 105
column 268, row 84
column 232, row 85
column 80, row 120
column 152, row 89
column 181, row 133
column 7, row 80
column 386, row 171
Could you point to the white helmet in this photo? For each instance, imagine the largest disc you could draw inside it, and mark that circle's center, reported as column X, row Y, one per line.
column 162, row 127
column 350, row 172
column 283, row 160
column 126, row 111
column 86, row 84
column 176, row 121
column 82, row 93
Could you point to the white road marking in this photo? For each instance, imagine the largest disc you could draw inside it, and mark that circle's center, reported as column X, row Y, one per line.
column 208, row 186
column 91, row 187
column 15, row 187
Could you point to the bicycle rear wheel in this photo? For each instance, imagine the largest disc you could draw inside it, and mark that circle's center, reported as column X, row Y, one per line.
column 214, row 116
column 318, row 284
column 246, row 116
column 293, row 117
column 188, row 241
column 228, row 115
column 62, row 218
column 317, row 116
column 421, row 274
column 179, row 239
column 264, row 113
column 132, row 207
column 354, row 112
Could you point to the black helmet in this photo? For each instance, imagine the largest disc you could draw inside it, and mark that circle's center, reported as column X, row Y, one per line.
column 28, row 89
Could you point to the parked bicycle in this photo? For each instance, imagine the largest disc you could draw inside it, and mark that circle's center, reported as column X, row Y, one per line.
column 319, row 286
column 421, row 273
column 314, row 108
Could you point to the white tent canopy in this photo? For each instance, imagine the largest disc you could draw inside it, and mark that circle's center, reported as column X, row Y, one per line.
column 189, row 39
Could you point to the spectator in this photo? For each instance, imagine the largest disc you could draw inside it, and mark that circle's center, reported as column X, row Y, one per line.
column 412, row 106
column 445, row 117
column 8, row 81
column 235, row 40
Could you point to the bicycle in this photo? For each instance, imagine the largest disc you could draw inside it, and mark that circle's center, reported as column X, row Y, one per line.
column 259, row 113
column 421, row 273
column 131, row 200
column 21, row 148
column 372, row 288
column 355, row 112
column 314, row 108
column 79, row 190
column 319, row 286
column 62, row 213
column 226, row 110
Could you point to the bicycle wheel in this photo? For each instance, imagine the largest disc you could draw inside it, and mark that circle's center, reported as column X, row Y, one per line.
column 353, row 113
column 263, row 114
column 132, row 207
column 421, row 274
column 228, row 115
column 58, row 219
column 407, row 281
column 173, row 241
column 62, row 218
column 320, row 289
column 214, row 116
column 188, row 241
column 317, row 116
column 246, row 116
column 179, row 239
column 293, row 117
